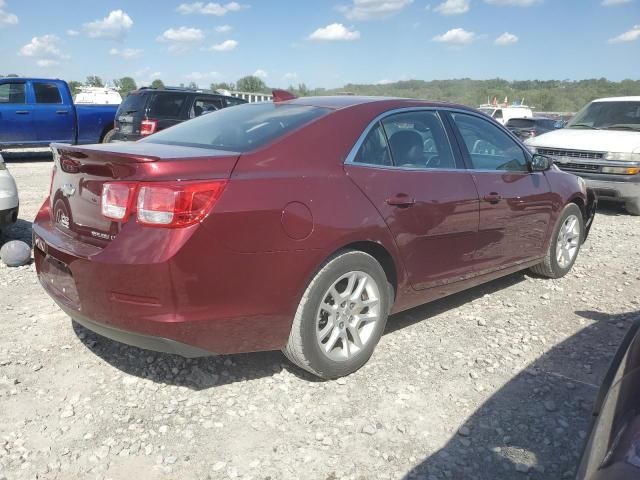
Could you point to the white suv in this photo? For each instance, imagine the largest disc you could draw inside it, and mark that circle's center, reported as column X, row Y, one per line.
column 8, row 197
column 602, row 145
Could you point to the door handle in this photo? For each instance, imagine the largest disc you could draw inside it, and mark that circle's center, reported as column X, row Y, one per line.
column 22, row 112
column 401, row 201
column 492, row 198
column 62, row 112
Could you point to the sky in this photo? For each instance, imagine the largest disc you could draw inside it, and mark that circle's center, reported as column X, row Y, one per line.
column 322, row 43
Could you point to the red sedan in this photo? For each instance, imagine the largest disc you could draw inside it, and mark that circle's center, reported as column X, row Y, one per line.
column 298, row 225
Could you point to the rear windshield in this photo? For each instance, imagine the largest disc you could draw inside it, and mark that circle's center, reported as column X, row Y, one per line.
column 520, row 123
column 132, row 103
column 239, row 129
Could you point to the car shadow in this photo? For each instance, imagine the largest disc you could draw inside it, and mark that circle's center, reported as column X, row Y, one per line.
column 17, row 157
column 611, row 208
column 534, row 427
column 208, row 372
column 21, row 230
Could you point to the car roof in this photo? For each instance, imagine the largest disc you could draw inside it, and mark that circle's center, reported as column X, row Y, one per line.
column 337, row 102
column 178, row 90
column 619, row 99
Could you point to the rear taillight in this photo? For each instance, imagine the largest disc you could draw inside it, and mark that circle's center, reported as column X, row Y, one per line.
column 147, row 127
column 175, row 204
column 116, row 200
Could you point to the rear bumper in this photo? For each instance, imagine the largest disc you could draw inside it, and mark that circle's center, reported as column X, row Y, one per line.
column 119, row 137
column 147, row 342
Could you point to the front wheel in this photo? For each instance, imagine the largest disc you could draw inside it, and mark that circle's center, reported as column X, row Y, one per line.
column 565, row 244
column 341, row 316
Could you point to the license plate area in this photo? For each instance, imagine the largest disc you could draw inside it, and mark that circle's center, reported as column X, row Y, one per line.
column 56, row 277
column 126, row 128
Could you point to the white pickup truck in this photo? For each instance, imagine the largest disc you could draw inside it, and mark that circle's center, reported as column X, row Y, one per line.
column 602, row 145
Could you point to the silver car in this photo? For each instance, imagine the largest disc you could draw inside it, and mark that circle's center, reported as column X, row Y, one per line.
column 8, row 197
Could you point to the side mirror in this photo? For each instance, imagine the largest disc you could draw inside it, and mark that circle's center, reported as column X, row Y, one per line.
column 540, row 163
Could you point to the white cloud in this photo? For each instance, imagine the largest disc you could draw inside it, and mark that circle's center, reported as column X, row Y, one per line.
column 181, row 39
column 73, row 33
column 225, row 46
column 514, row 3
column 611, row 3
column 127, row 53
column 630, row 36
column 385, row 81
column 453, row 7
column 373, row 9
column 115, row 25
column 6, row 18
column 199, row 76
column 210, row 8
column 290, row 76
column 44, row 50
column 260, row 73
column 333, row 32
column 224, row 28
column 506, row 39
column 456, row 36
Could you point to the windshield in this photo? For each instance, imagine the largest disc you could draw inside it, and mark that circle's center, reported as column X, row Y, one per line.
column 520, row 123
column 132, row 103
column 241, row 128
column 608, row 115
column 487, row 111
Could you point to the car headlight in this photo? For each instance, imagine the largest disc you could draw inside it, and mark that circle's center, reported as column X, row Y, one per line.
column 621, row 170
column 622, row 156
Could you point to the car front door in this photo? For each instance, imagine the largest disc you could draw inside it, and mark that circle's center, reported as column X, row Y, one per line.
column 515, row 204
column 54, row 121
column 16, row 115
column 406, row 166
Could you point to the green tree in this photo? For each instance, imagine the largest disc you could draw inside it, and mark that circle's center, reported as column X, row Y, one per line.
column 252, row 84
column 12, row 75
column 125, row 85
column 74, row 86
column 192, row 85
column 222, row 86
column 94, row 81
column 157, row 83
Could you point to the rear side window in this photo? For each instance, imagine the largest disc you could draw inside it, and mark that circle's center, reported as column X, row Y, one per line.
column 239, row 129
column 374, row 149
column 206, row 105
column 132, row 103
column 166, row 105
column 12, row 93
column 46, row 93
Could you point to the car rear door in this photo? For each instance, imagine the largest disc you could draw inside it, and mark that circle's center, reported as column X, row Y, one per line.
column 406, row 166
column 16, row 115
column 206, row 104
column 53, row 119
column 515, row 204
column 168, row 108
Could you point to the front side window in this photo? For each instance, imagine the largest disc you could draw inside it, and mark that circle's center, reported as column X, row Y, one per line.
column 12, row 93
column 489, row 147
column 46, row 93
column 206, row 105
column 418, row 140
column 239, row 129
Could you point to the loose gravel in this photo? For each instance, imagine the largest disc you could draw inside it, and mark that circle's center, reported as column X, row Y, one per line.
column 493, row 383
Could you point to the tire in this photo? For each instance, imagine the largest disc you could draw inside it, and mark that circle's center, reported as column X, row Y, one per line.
column 325, row 354
column 108, row 136
column 552, row 266
column 633, row 207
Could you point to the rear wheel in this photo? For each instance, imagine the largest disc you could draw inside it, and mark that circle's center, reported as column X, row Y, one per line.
column 108, row 136
column 341, row 316
column 565, row 244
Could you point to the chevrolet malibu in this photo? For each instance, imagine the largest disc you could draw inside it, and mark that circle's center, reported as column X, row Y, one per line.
column 298, row 225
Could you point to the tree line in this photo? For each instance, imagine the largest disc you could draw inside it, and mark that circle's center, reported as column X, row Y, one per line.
column 544, row 95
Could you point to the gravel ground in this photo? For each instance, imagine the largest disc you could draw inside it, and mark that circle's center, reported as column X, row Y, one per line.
column 493, row 383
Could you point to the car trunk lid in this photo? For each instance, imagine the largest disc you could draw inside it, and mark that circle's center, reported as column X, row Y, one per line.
column 81, row 171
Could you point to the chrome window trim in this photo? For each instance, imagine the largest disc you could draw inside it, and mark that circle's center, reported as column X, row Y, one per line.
column 354, row 150
column 350, row 160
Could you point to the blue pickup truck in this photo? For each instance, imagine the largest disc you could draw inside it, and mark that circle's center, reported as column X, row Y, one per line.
column 35, row 112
